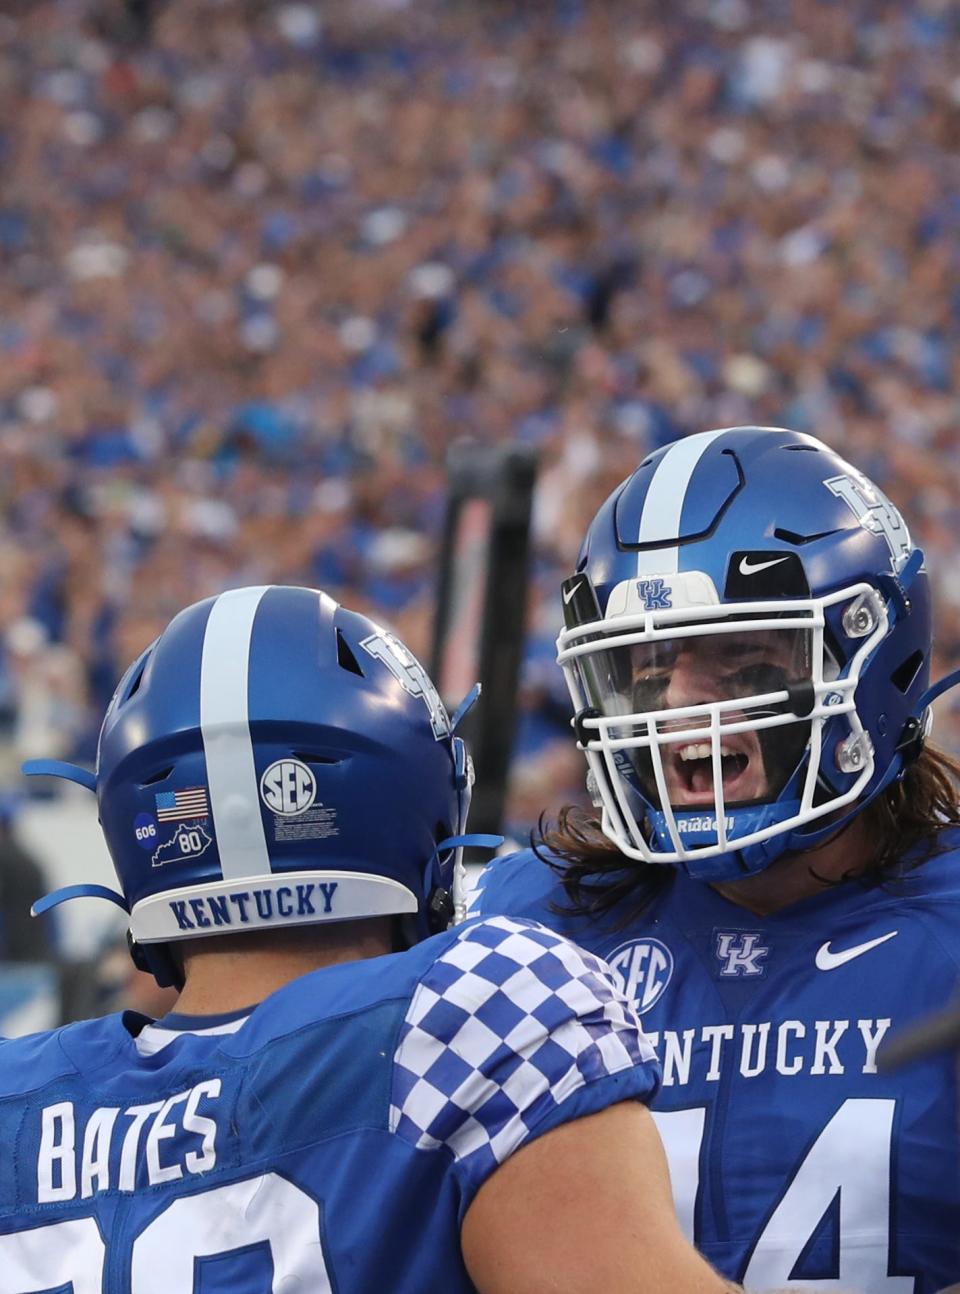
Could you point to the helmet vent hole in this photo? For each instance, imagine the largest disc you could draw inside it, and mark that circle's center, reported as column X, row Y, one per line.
column 311, row 757
column 135, row 685
column 345, row 657
column 907, row 671
column 161, row 776
column 793, row 537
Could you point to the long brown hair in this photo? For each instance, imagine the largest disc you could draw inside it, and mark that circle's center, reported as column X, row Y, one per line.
column 906, row 819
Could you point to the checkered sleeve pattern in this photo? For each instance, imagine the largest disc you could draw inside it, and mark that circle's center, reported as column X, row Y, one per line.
column 507, row 1024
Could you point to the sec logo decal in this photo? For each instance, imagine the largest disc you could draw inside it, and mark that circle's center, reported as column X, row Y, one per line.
column 288, row 787
column 644, row 968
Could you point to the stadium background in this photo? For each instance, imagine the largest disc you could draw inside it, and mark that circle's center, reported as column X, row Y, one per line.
column 262, row 264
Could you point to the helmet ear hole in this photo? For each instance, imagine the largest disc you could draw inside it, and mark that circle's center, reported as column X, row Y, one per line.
column 907, row 671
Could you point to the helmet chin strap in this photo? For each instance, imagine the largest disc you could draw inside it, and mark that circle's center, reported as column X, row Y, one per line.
column 832, row 831
column 77, row 892
column 60, row 768
column 937, row 689
column 917, row 728
column 457, row 896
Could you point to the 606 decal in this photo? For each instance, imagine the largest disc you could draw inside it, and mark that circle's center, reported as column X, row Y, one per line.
column 145, row 830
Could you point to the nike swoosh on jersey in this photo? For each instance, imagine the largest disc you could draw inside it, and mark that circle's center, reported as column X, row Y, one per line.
column 752, row 568
column 570, row 592
column 827, row 960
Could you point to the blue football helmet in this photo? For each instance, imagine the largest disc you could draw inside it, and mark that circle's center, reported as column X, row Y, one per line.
column 275, row 760
column 747, row 647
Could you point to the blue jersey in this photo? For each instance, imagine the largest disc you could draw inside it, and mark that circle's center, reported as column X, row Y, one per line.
column 331, row 1141
column 792, row 1158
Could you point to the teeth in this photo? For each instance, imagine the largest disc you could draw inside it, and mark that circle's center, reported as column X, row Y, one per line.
column 702, row 750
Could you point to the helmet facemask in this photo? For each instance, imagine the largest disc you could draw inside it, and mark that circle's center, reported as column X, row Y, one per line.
column 708, row 728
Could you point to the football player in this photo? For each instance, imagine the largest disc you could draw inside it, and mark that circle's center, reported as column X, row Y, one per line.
column 773, row 868
column 284, row 800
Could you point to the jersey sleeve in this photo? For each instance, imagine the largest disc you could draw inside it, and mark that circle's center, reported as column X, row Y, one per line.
column 512, row 1031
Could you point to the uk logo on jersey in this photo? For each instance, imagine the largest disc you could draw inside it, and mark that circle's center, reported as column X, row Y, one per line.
column 644, row 968
column 740, row 953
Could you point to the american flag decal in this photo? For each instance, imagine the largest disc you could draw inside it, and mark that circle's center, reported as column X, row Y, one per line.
column 178, row 805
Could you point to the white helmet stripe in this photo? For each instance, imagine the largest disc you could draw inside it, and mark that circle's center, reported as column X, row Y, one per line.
column 663, row 506
column 225, row 727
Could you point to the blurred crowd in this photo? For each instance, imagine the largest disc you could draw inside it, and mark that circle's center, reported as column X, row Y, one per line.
column 263, row 262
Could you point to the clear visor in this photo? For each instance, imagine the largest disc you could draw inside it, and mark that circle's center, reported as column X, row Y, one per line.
column 732, row 706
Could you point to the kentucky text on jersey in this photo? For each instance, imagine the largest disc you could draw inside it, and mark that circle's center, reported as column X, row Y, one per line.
column 235, row 909
column 113, row 1148
column 789, row 1047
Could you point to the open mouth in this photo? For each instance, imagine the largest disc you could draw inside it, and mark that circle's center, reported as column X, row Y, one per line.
column 689, row 769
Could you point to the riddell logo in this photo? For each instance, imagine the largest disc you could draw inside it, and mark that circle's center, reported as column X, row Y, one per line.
column 686, row 825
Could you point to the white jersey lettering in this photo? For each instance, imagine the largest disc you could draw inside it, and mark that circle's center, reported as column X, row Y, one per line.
column 179, row 1140
column 791, row 1048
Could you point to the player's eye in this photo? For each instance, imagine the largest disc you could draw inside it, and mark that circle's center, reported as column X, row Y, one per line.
column 755, row 679
column 649, row 690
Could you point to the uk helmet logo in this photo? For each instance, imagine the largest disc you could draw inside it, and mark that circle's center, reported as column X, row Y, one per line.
column 411, row 676
column 644, row 968
column 876, row 513
column 657, row 594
